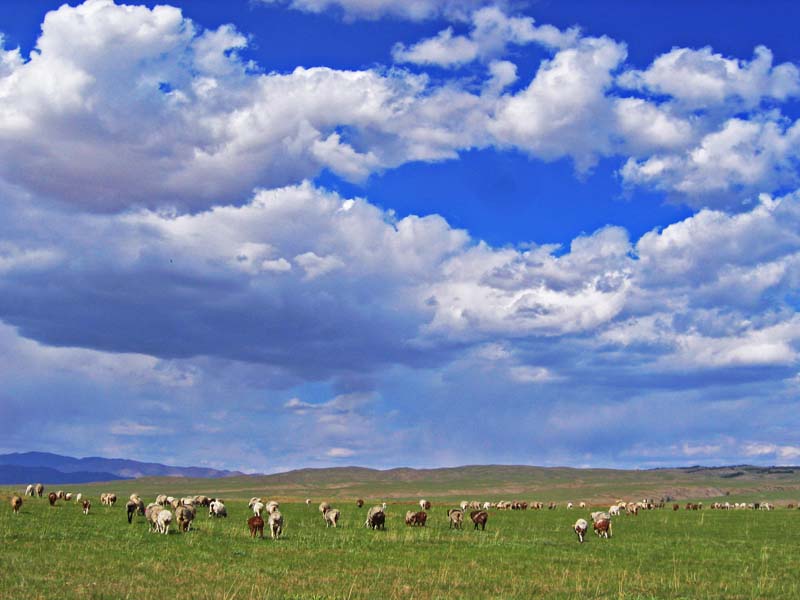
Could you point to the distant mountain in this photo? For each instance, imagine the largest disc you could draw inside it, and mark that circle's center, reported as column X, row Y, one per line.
column 16, row 475
column 117, row 467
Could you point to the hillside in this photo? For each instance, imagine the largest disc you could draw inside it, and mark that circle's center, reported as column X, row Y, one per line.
column 14, row 474
column 487, row 482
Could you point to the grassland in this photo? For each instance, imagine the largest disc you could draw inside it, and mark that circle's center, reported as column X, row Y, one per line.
column 60, row 553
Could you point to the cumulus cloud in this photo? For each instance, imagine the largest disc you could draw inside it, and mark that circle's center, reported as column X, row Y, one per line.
column 414, row 10
column 492, row 31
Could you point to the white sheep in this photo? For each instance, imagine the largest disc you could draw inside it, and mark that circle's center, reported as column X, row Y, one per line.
column 272, row 506
column 275, row 524
column 217, row 509
column 257, row 508
column 163, row 521
column 614, row 510
column 253, row 500
column 30, row 491
column 78, row 498
column 464, row 504
column 308, row 501
column 580, row 528
column 569, row 505
column 331, row 517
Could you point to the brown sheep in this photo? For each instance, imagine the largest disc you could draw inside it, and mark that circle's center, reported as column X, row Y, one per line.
column 420, row 518
column 16, row 504
column 456, row 518
column 359, row 503
column 185, row 516
column 603, row 528
column 256, row 525
column 676, row 507
column 52, row 497
column 86, row 506
column 479, row 517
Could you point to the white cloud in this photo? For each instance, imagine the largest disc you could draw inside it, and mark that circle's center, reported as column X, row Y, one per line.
column 703, row 78
column 414, row 10
column 492, row 31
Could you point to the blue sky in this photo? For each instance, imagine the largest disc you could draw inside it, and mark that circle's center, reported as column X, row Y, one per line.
column 271, row 234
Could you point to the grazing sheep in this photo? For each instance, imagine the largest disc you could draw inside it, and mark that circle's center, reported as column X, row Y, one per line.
column 600, row 516
column 424, row 505
column 176, row 502
column 376, row 518
column 331, row 517
column 217, row 509
column 86, row 506
column 68, row 496
column 185, row 515
column 253, row 501
column 359, row 503
column 256, row 526
column 580, row 528
column 603, row 528
column 456, row 518
column 464, row 505
column 323, row 507
column 410, row 517
column 308, row 501
column 39, row 489
column 479, row 517
column 569, row 505
column 257, row 508
column 16, row 504
column 614, row 510
column 487, row 505
column 272, row 506
column 202, row 500
column 60, row 494
column 132, row 507
column 52, row 497
column 112, row 499
column 161, row 499
column 163, row 521
column 151, row 514
column 416, row 518
column 582, row 505
column 275, row 524
column 30, row 491
column 552, row 506
column 676, row 507
column 78, row 498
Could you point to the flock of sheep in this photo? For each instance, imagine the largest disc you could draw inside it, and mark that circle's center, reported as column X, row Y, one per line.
column 159, row 516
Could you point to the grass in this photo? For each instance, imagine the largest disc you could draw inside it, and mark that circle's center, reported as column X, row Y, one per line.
column 59, row 552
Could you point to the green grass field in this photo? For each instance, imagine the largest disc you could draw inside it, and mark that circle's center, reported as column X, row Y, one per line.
column 60, row 553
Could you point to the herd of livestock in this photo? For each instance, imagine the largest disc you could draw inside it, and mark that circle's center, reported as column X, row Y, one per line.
column 267, row 513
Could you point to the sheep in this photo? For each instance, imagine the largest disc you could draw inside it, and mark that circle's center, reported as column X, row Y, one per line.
column 479, row 517
column 323, row 507
column 331, row 517
column 456, row 518
column 272, row 506
column 111, row 499
column 132, row 507
column 185, row 515
column 253, row 501
column 603, row 528
column 676, row 506
column 78, row 498
column 151, row 514
column 52, row 497
column 202, row 500
column 487, row 505
column 60, row 494
column 176, row 502
column 580, row 528
column 376, row 519
column 275, row 524
column 257, row 508
column 552, row 506
column 614, row 510
column 582, row 505
column 256, row 526
column 424, row 505
column 217, row 509
column 30, row 491
column 39, row 489
column 416, row 518
column 68, row 496
column 569, row 505
column 16, row 504
column 464, row 505
column 86, row 506
column 163, row 521
column 308, row 501
column 359, row 503
column 161, row 499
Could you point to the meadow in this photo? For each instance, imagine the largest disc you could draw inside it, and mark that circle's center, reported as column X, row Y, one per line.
column 57, row 552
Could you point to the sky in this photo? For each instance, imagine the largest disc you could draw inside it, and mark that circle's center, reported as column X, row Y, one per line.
column 273, row 234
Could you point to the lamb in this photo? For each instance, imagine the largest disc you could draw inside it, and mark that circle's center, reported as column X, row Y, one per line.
column 456, row 518
column 424, row 505
column 185, row 515
column 603, row 528
column 275, row 524
column 16, row 504
column 217, row 509
column 479, row 517
column 256, row 526
column 52, row 497
column 86, row 506
column 257, row 508
column 30, row 491
column 39, row 489
column 580, row 528
column 331, row 517
column 163, row 521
